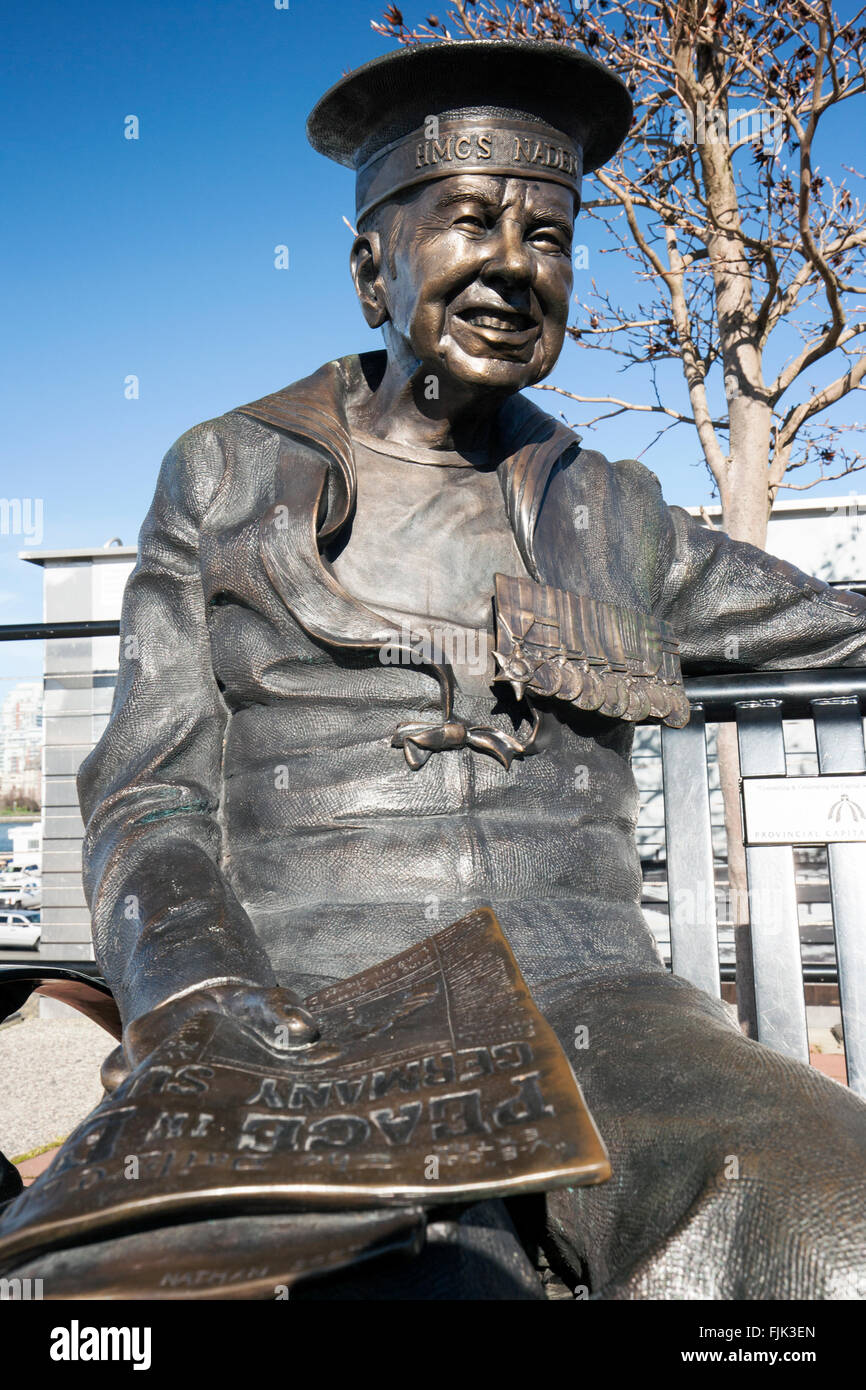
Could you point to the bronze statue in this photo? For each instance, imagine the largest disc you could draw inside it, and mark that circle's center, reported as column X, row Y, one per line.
column 394, row 628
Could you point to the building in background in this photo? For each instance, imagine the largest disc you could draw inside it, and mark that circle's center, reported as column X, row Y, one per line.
column 79, row 679
column 26, row 842
column 825, row 537
column 21, row 746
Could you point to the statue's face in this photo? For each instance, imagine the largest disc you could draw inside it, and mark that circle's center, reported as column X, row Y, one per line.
column 482, row 279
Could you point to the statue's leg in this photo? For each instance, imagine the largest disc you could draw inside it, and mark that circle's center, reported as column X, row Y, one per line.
column 737, row 1172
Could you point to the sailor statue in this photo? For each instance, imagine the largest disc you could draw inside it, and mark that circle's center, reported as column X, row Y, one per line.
column 395, row 628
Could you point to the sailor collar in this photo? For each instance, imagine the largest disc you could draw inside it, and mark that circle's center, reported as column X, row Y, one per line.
column 551, row 644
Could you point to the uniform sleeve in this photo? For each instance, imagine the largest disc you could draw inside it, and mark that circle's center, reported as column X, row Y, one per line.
column 164, row 918
column 733, row 606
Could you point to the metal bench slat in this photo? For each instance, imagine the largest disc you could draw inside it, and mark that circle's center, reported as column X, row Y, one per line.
column 839, row 738
column 775, row 933
column 689, row 844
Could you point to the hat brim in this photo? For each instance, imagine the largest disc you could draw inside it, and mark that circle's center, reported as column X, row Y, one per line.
column 391, row 96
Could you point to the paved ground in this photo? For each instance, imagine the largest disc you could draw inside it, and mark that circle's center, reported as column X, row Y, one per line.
column 49, row 1078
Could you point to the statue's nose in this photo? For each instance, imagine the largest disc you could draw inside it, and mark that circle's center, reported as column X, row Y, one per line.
column 510, row 258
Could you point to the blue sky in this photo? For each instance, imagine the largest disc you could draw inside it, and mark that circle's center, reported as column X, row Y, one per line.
column 155, row 257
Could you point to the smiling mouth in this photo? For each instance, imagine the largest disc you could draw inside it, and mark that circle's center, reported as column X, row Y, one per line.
column 499, row 320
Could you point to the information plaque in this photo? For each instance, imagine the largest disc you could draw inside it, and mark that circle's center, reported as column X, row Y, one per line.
column 804, row 810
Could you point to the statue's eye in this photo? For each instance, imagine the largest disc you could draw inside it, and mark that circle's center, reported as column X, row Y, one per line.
column 549, row 239
column 471, row 222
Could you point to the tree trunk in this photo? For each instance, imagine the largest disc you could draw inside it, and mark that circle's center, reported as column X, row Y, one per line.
column 744, row 491
column 745, row 512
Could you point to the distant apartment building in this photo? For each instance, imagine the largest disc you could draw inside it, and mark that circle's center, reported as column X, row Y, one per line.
column 21, row 744
column 826, row 537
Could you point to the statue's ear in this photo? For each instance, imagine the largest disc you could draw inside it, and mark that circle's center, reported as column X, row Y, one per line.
column 366, row 262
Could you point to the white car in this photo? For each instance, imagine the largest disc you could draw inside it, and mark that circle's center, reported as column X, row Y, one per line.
column 10, row 877
column 16, row 929
column 31, row 893
column 25, row 891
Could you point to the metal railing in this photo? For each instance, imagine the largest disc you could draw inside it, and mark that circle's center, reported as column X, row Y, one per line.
column 33, row 632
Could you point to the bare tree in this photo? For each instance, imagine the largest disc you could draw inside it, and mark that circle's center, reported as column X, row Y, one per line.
column 742, row 246
column 749, row 266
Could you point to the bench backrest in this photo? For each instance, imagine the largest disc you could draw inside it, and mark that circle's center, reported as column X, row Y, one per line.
column 759, row 703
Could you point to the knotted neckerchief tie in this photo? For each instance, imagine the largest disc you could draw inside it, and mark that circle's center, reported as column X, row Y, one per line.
column 420, row 739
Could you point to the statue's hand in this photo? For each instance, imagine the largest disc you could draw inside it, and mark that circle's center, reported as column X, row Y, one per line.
column 274, row 1016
